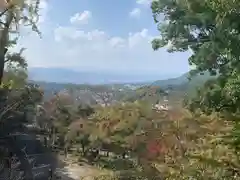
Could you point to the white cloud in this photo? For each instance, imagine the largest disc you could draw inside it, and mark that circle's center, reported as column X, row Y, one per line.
column 43, row 6
column 81, row 18
column 136, row 12
column 77, row 48
column 117, row 42
column 96, row 37
column 144, row 2
column 96, row 49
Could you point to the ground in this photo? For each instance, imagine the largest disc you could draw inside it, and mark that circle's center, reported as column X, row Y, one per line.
column 73, row 170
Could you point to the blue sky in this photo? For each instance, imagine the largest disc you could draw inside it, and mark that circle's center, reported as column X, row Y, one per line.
column 94, row 35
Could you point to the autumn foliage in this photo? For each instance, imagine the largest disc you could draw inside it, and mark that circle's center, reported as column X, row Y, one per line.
column 155, row 149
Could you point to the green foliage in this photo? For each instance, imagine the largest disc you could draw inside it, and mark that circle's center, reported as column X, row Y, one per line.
column 187, row 146
column 85, row 110
column 150, row 94
column 212, row 35
column 19, row 13
column 173, row 144
column 211, row 30
column 16, row 94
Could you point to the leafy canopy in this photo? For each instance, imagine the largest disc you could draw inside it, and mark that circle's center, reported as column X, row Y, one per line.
column 211, row 30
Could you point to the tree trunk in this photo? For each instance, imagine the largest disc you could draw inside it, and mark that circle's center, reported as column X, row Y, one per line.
column 4, row 38
column 45, row 141
column 83, row 149
column 123, row 155
column 2, row 57
column 54, row 136
column 65, row 151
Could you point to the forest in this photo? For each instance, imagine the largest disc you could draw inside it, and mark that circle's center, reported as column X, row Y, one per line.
column 118, row 133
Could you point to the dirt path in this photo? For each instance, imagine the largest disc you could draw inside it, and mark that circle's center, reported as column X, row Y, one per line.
column 73, row 171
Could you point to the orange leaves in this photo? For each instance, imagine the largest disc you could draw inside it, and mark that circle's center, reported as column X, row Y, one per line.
column 108, row 125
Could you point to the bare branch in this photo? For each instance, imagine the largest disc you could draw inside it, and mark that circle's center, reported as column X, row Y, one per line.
column 8, row 108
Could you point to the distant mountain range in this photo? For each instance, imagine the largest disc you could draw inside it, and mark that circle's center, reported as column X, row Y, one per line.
column 60, row 75
column 54, row 79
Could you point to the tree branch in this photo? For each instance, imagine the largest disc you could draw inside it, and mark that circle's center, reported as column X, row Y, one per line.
column 6, row 60
column 5, row 10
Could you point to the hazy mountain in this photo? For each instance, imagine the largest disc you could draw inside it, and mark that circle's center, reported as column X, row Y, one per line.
column 59, row 75
column 182, row 86
column 183, row 80
column 55, row 80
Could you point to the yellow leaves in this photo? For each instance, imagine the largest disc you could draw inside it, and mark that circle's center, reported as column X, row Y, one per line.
column 16, row 2
column 7, row 85
column 192, row 145
column 7, row 4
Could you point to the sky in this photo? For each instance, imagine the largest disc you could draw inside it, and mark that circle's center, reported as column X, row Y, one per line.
column 94, row 35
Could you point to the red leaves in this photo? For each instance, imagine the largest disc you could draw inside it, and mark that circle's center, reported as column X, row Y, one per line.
column 154, row 148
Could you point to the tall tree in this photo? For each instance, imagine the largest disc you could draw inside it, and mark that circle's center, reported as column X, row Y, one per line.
column 16, row 13
column 209, row 29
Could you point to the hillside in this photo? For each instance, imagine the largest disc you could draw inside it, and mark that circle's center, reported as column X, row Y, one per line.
column 182, row 86
column 183, row 80
column 176, row 86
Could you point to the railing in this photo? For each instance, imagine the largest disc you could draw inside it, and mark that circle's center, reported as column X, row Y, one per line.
column 16, row 164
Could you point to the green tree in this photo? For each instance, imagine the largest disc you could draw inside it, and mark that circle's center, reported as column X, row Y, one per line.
column 15, row 103
column 84, row 110
column 17, row 13
column 211, row 30
column 18, row 94
column 15, row 71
